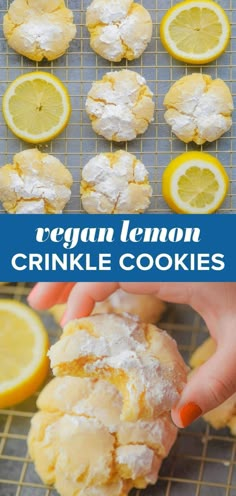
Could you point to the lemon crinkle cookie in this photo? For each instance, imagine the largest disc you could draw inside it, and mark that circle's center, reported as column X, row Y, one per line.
column 225, row 414
column 147, row 307
column 118, row 29
column 114, row 183
column 36, row 183
column 199, row 109
column 120, row 105
column 79, row 443
column 39, row 29
column 139, row 359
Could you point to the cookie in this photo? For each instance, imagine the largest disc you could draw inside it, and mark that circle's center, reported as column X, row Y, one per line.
column 120, row 105
column 199, row 108
column 118, row 29
column 139, row 359
column 115, row 183
column 39, row 29
column 79, row 443
column 36, row 183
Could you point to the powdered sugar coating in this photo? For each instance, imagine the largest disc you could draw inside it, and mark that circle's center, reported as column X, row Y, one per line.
column 120, row 106
column 115, row 183
column 118, row 29
column 142, row 361
column 199, row 109
column 77, row 413
column 39, row 29
column 35, row 183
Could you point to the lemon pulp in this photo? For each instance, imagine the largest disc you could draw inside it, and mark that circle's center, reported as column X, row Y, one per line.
column 43, row 103
column 196, row 30
column 23, row 352
column 195, row 182
column 198, row 187
column 36, row 107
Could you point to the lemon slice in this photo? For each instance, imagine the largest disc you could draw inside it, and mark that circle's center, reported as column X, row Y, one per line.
column 195, row 183
column 195, row 31
column 36, row 107
column 23, row 352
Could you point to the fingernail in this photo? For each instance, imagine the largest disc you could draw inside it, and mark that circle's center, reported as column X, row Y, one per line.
column 32, row 294
column 188, row 413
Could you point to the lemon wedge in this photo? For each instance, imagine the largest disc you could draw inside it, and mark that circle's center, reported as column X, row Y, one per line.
column 36, row 107
column 195, row 183
column 195, row 32
column 23, row 352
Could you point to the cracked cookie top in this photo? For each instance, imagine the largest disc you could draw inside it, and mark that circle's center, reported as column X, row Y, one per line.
column 199, row 109
column 120, row 105
column 118, row 29
column 36, row 183
column 142, row 361
column 79, row 443
column 114, row 183
column 39, row 29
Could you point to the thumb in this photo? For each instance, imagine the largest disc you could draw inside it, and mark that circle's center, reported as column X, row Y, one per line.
column 209, row 386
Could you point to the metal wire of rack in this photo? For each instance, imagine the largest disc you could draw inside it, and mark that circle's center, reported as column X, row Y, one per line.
column 80, row 67
column 202, row 462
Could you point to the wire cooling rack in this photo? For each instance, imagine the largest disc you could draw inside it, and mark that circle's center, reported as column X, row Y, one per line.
column 202, row 462
column 80, row 67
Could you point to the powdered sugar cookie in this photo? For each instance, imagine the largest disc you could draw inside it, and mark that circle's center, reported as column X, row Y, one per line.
column 39, row 29
column 118, row 29
column 36, row 183
column 77, row 413
column 139, row 359
column 199, row 109
column 114, row 183
column 120, row 106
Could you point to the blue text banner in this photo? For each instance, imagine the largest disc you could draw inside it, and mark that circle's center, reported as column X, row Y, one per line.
column 122, row 248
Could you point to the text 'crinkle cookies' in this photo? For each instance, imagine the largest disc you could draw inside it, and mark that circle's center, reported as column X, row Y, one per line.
column 118, row 29
column 39, row 29
column 79, row 443
column 115, row 183
column 199, row 109
column 139, row 359
column 36, row 183
column 120, row 105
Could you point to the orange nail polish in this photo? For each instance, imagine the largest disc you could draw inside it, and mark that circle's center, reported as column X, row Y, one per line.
column 188, row 413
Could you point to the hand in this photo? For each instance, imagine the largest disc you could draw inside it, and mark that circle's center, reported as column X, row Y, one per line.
column 213, row 382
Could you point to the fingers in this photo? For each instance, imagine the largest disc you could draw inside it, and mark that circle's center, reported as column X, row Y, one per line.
column 46, row 295
column 207, row 299
column 83, row 297
column 210, row 300
column 211, row 384
column 64, row 295
column 172, row 292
